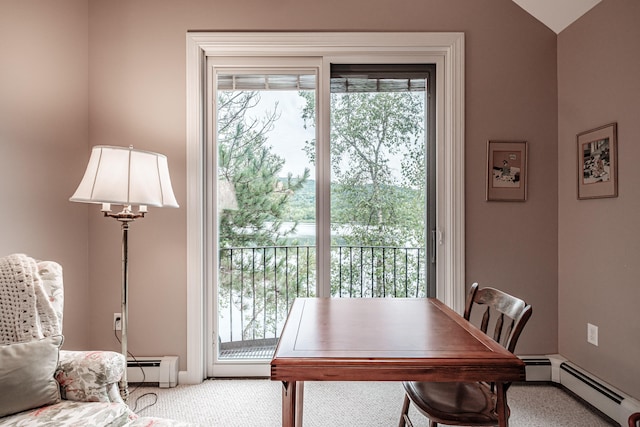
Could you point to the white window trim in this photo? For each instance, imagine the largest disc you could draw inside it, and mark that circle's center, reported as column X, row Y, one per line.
column 447, row 49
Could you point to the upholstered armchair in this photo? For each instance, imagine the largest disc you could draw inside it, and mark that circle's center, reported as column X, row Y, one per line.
column 39, row 383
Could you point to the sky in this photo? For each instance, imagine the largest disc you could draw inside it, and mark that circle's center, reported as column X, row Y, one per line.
column 288, row 135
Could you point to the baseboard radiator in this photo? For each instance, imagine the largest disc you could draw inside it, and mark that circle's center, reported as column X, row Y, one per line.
column 607, row 399
column 153, row 370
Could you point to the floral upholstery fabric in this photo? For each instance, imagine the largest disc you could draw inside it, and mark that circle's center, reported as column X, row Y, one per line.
column 74, row 414
column 157, row 422
column 88, row 379
column 85, row 376
column 88, row 376
column 83, row 414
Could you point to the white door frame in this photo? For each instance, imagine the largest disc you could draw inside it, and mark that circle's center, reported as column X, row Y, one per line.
column 444, row 49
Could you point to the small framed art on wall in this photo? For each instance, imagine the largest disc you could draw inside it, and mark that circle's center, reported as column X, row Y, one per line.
column 507, row 171
column 598, row 162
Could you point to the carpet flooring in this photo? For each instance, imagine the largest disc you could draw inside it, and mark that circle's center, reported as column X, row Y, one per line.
column 257, row 402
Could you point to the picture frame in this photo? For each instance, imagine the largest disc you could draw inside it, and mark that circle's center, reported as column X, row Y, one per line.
column 507, row 171
column 598, row 162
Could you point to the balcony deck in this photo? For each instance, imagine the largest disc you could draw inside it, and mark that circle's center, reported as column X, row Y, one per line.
column 252, row 349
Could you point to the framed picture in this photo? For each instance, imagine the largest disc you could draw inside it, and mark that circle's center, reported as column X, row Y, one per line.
column 507, row 171
column 598, row 162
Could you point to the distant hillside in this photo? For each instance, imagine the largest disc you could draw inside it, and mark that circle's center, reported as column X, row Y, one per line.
column 302, row 205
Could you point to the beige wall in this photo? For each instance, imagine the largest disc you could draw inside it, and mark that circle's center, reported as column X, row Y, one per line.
column 598, row 75
column 137, row 96
column 136, row 61
column 43, row 143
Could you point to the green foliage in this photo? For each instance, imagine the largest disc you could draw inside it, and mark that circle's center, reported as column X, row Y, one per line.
column 247, row 161
column 377, row 195
column 302, row 205
column 378, row 165
column 378, row 191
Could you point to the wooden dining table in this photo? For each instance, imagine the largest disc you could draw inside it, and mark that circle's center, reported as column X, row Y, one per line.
column 384, row 339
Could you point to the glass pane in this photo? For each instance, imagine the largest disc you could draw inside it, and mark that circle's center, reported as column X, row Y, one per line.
column 378, row 189
column 266, row 208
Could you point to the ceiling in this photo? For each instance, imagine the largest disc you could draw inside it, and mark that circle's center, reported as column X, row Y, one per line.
column 557, row 14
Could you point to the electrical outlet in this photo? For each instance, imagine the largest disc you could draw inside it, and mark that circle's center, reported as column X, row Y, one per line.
column 117, row 321
column 592, row 334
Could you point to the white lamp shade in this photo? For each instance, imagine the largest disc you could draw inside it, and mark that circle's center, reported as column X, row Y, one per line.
column 124, row 176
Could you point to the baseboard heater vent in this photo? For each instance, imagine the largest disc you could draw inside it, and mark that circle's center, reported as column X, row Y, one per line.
column 153, row 370
column 611, row 402
column 537, row 368
column 597, row 387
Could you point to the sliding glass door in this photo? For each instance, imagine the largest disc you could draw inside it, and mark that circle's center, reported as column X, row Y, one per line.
column 320, row 183
column 379, row 209
column 263, row 189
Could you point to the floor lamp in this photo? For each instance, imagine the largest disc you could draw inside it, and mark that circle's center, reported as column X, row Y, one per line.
column 127, row 177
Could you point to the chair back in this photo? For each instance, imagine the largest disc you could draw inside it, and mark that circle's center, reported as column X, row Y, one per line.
column 501, row 317
column 505, row 314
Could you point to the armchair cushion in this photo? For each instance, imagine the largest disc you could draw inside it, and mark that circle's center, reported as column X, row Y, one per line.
column 73, row 414
column 85, row 376
column 27, row 374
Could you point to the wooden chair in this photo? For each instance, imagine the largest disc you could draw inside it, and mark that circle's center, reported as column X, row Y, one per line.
column 634, row 420
column 471, row 404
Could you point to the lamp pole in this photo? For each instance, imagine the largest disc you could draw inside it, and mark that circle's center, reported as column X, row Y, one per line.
column 125, row 217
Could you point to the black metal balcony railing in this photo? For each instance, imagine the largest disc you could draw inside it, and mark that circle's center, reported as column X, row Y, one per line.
column 258, row 285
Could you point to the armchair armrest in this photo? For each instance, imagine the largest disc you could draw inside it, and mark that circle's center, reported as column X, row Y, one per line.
column 90, row 376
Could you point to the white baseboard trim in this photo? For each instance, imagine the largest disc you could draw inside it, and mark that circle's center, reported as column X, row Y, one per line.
column 604, row 397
